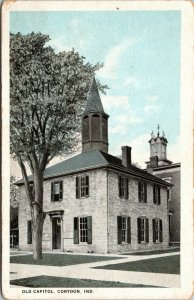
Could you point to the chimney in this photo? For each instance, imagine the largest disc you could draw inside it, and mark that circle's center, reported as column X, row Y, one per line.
column 126, row 156
column 154, row 161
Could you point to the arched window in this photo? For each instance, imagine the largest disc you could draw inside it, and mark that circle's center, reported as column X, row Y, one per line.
column 104, row 128
column 86, row 135
column 96, row 127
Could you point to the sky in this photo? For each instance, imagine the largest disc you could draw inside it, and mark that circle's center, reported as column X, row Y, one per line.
column 141, row 55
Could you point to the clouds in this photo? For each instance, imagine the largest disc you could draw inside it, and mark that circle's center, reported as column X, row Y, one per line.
column 151, row 108
column 152, row 105
column 110, row 102
column 59, row 44
column 173, row 150
column 140, row 149
column 113, row 59
column 131, row 81
column 122, row 114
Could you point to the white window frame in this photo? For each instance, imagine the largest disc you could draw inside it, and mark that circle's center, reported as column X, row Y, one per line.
column 156, row 194
column 157, row 231
column 169, row 180
column 143, row 230
column 142, row 192
column 124, row 230
column 83, row 230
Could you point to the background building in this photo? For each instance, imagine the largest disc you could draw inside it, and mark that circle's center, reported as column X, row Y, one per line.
column 163, row 168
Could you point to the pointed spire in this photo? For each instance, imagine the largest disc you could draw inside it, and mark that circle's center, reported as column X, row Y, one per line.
column 152, row 134
column 94, row 103
column 158, row 129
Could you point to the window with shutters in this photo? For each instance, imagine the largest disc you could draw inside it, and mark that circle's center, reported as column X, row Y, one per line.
column 29, row 231
column 124, row 229
column 142, row 191
column 123, row 187
column 83, row 230
column 157, row 230
column 57, row 191
column 82, row 186
column 156, row 194
column 143, row 230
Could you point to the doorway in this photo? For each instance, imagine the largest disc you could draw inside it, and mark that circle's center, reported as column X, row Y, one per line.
column 56, row 232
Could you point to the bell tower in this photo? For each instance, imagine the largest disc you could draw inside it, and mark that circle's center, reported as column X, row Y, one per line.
column 158, row 150
column 94, row 122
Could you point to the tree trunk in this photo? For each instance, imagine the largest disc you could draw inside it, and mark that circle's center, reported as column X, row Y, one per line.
column 37, row 214
column 37, row 229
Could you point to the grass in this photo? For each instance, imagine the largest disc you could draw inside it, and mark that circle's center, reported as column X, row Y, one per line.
column 167, row 265
column 59, row 260
column 153, row 252
column 52, row 281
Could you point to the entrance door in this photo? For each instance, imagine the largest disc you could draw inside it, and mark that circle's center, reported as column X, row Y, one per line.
column 56, row 230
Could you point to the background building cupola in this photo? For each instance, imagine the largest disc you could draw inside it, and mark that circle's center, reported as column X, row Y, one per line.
column 94, row 122
column 158, row 150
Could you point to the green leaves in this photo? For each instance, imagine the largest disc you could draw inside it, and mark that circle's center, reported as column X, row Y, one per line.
column 47, row 94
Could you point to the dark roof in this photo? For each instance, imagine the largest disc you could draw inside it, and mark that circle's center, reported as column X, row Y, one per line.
column 94, row 159
column 166, row 167
column 94, row 103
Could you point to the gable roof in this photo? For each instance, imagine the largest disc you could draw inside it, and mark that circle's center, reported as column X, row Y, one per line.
column 94, row 103
column 92, row 160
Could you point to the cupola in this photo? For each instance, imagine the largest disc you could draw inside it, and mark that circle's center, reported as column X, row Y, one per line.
column 94, row 122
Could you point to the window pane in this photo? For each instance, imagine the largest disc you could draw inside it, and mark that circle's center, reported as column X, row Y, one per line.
column 56, row 188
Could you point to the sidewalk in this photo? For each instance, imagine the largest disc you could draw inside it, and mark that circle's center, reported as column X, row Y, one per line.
column 85, row 271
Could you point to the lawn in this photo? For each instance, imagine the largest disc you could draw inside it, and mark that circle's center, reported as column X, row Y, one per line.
column 51, row 281
column 167, row 265
column 153, row 252
column 59, row 260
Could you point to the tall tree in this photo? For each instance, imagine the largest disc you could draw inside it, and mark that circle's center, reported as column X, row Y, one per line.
column 47, row 94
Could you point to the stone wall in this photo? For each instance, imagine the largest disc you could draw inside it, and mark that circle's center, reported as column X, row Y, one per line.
column 133, row 209
column 95, row 205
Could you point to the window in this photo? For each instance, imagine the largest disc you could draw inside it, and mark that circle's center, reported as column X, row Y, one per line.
column 82, row 186
column 156, row 194
column 157, row 230
column 124, row 229
column 83, row 230
column 57, row 191
column 123, row 187
column 169, row 180
column 29, row 231
column 96, row 127
column 86, row 133
column 143, row 230
column 142, row 191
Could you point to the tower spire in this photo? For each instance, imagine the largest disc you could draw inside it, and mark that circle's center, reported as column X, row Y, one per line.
column 158, row 129
column 94, row 103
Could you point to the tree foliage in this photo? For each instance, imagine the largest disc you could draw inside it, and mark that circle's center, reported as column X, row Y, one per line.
column 48, row 91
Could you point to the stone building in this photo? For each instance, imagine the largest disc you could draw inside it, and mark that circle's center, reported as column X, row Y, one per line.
column 163, row 168
column 96, row 202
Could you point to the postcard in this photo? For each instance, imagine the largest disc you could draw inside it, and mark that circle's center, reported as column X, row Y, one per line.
column 97, row 149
